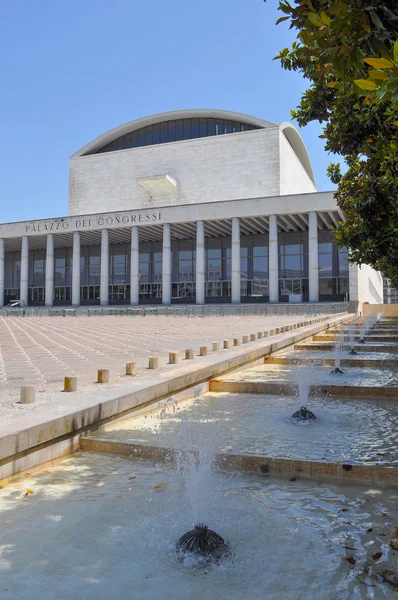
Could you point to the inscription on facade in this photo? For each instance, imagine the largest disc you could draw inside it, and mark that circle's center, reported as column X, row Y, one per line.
column 79, row 223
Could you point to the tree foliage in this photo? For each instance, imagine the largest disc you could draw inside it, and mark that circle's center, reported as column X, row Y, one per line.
column 348, row 50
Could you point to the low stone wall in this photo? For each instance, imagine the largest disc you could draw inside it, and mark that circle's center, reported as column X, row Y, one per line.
column 388, row 310
column 264, row 465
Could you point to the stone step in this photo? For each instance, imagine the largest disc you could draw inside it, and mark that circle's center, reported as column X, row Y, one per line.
column 264, row 465
column 286, row 388
column 324, row 337
column 330, row 362
column 358, row 347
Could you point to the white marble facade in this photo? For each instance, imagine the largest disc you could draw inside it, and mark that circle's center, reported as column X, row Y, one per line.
column 190, row 206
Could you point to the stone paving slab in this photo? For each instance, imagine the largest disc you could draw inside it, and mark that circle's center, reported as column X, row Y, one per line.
column 30, row 439
column 41, row 351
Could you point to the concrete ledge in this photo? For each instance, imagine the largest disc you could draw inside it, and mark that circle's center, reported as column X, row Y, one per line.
column 252, row 463
column 362, row 348
column 51, row 424
column 330, row 362
column 290, row 389
column 346, row 338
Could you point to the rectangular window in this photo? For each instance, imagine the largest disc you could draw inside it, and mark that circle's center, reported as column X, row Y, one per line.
column 179, row 130
column 171, row 131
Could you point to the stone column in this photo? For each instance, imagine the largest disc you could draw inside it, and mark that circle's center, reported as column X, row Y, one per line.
column 200, row 262
column 166, row 265
column 273, row 268
column 104, row 281
column 313, row 271
column 23, row 286
column 49, row 293
column 235, row 260
column 76, row 269
column 135, row 267
column 1, row 272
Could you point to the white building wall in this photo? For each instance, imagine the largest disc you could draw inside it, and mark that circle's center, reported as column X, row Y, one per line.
column 293, row 177
column 219, row 168
column 366, row 285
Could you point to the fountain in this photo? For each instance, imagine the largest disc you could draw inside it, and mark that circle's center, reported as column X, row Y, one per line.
column 304, row 382
column 203, row 542
column 303, row 414
column 351, row 333
column 197, row 467
column 338, row 350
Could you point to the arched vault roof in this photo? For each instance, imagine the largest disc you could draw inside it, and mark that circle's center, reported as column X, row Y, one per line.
column 288, row 130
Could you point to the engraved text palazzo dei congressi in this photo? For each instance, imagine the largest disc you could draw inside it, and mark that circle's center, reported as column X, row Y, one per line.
column 92, row 222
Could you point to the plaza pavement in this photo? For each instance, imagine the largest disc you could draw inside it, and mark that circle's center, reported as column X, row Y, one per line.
column 40, row 351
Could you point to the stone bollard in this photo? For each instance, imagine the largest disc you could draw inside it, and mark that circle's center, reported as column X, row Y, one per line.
column 236, row 342
column 294, row 325
column 253, row 337
column 131, row 369
column 103, row 376
column 259, row 335
column 173, row 358
column 70, row 384
column 272, row 331
column 188, row 354
column 27, row 394
column 245, row 339
column 277, row 330
column 153, row 362
column 216, row 346
column 227, row 344
column 203, row 351
column 266, row 334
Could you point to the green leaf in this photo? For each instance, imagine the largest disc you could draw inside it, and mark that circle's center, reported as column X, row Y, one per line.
column 365, row 84
column 282, row 19
column 325, row 19
column 376, row 21
column 331, row 84
column 396, row 52
column 377, row 75
column 379, row 63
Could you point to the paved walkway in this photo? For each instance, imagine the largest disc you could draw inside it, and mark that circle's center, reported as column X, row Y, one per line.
column 40, row 351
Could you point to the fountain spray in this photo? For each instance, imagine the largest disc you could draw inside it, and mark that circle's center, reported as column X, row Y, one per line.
column 338, row 350
column 304, row 382
column 351, row 333
column 196, row 466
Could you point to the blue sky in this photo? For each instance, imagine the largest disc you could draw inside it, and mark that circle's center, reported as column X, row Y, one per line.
column 74, row 69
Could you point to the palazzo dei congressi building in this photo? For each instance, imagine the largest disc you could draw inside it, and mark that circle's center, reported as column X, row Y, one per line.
column 187, row 206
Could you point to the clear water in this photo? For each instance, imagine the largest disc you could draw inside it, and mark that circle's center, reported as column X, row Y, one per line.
column 330, row 354
column 356, row 432
column 318, row 375
column 91, row 532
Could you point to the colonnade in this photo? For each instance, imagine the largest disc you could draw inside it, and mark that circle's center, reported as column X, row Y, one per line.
column 273, row 283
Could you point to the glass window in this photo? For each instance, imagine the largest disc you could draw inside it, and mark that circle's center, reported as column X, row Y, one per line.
column 211, row 127
column 260, row 267
column 220, row 127
column 187, row 129
column 171, row 131
column 195, row 128
column 179, row 130
column 293, row 266
column 202, row 127
column 325, row 265
column 163, row 133
column 149, row 135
